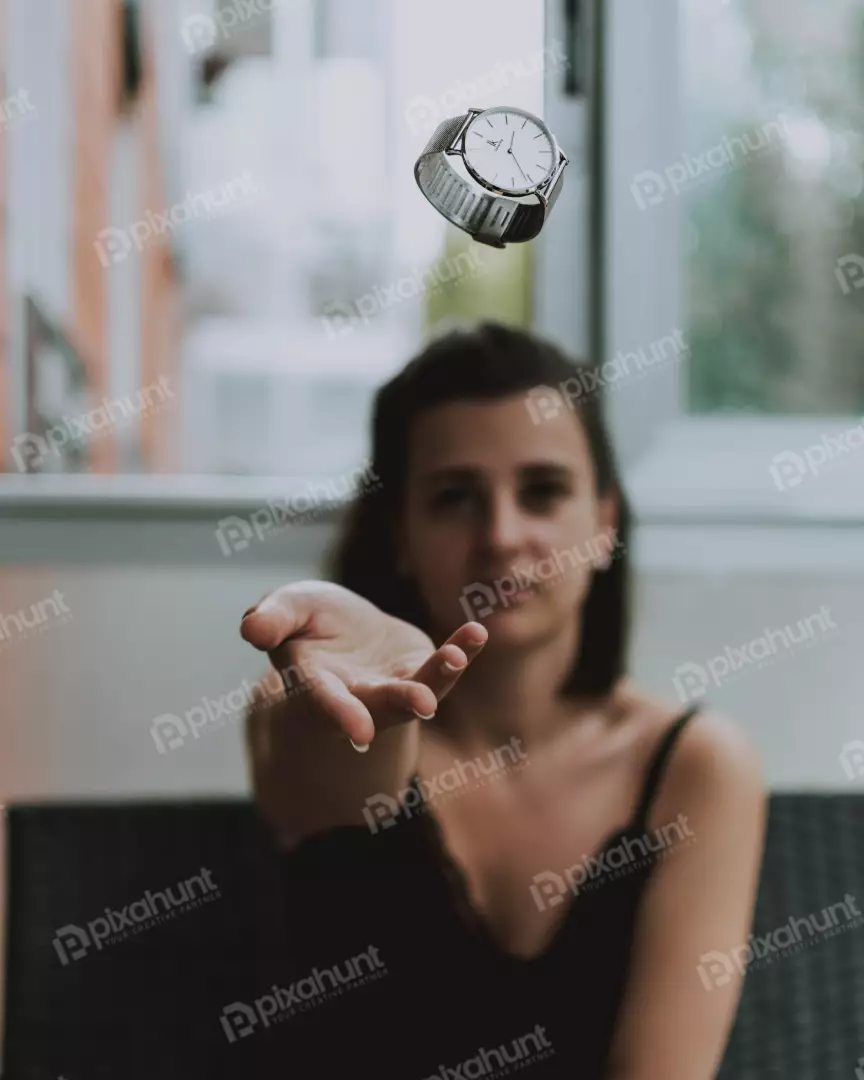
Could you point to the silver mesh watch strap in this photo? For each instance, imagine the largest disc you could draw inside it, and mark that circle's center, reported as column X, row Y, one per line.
column 491, row 219
column 444, row 134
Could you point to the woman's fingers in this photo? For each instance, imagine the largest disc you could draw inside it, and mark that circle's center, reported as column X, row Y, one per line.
column 443, row 668
column 280, row 615
column 396, row 701
column 330, row 698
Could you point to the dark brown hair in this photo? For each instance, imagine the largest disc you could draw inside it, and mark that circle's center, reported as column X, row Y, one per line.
column 482, row 363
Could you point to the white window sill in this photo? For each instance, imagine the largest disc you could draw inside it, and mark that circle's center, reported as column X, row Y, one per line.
column 148, row 496
column 706, row 469
column 152, row 520
column 706, row 501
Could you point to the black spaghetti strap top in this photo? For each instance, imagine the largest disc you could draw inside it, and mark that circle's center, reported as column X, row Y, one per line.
column 394, row 974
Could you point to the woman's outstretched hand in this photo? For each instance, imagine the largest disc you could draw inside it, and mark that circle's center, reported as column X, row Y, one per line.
column 361, row 669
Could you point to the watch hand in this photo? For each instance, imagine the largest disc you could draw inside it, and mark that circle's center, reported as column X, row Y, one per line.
column 519, row 167
column 510, row 147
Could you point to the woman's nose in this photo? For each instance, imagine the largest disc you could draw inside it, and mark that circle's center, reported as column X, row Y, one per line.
column 506, row 525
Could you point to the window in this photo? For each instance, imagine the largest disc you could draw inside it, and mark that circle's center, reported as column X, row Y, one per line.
column 734, row 192
column 772, row 194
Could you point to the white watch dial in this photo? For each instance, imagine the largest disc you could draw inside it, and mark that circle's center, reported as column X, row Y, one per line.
column 510, row 149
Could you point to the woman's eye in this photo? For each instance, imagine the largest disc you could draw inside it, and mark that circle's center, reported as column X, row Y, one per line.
column 545, row 491
column 452, row 497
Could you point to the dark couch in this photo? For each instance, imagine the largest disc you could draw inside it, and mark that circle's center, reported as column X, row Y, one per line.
column 71, row 1007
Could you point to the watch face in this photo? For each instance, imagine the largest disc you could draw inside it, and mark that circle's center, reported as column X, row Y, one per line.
column 509, row 149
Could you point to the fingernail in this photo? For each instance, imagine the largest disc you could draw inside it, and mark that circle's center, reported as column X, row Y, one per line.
column 359, row 749
column 451, row 669
column 249, row 611
column 422, row 716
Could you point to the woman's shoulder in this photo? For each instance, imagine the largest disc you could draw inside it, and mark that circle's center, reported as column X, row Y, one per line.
column 711, row 755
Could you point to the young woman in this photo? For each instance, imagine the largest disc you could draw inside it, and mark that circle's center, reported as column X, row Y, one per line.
column 527, row 861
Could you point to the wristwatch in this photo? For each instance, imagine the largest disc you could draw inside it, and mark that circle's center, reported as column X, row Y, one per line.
column 509, row 155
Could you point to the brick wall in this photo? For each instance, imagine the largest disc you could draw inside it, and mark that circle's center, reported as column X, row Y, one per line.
column 96, row 71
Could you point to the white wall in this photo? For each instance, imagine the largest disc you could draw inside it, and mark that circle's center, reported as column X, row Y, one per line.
column 152, row 628
column 803, row 705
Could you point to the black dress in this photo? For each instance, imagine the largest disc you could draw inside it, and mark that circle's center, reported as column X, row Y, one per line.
column 393, row 976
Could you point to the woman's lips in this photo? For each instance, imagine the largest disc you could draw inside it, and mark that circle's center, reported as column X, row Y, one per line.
column 522, row 595
column 505, row 597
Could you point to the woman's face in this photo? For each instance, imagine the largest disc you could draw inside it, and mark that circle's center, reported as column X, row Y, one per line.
column 502, row 520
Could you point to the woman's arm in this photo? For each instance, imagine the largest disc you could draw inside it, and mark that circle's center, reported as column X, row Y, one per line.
column 365, row 675
column 308, row 779
column 681, row 997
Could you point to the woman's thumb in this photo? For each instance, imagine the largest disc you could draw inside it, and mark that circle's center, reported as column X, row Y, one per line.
column 277, row 617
